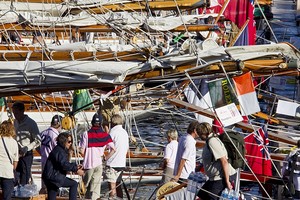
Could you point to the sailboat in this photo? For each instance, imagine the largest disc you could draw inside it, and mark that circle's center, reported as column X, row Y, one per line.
column 72, row 47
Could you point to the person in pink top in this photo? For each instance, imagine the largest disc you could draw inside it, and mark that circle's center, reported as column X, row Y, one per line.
column 48, row 138
column 92, row 145
column 48, row 142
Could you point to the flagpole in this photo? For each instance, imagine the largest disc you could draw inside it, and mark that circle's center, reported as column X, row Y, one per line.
column 239, row 33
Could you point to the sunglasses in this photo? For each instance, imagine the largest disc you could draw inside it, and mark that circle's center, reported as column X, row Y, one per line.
column 70, row 142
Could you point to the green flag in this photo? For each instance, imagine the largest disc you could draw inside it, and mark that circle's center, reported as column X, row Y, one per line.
column 221, row 93
column 2, row 101
column 81, row 98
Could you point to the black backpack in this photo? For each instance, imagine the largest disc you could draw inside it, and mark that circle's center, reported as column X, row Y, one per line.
column 234, row 158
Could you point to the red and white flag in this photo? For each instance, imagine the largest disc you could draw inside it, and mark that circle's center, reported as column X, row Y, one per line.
column 246, row 94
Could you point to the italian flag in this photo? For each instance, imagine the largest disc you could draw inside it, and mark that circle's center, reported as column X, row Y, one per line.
column 246, row 94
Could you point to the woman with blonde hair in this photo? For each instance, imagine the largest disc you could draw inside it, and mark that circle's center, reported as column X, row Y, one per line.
column 9, row 157
column 170, row 155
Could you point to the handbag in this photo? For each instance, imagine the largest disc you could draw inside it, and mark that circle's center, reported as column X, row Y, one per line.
column 11, row 162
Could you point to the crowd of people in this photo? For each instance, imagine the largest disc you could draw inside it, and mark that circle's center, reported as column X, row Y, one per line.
column 20, row 136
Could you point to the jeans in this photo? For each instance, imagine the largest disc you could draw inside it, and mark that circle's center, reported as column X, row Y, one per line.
column 214, row 188
column 68, row 183
column 7, row 185
column 24, row 168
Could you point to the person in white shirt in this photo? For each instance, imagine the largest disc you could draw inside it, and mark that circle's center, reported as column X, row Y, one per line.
column 170, row 155
column 116, row 159
column 8, row 159
column 186, row 154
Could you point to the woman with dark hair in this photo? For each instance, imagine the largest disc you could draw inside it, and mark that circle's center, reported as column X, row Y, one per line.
column 8, row 159
column 57, row 166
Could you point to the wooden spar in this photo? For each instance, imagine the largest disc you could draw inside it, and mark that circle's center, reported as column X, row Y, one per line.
column 269, row 118
column 99, row 28
column 239, row 33
column 230, row 66
column 139, row 6
column 242, row 125
column 259, row 65
column 248, row 176
column 264, row 2
column 68, row 55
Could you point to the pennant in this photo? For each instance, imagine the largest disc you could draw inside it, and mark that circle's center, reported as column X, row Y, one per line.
column 81, row 98
column 246, row 94
column 201, row 100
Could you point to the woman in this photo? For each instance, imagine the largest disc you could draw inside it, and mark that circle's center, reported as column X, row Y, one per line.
column 216, row 166
column 170, row 155
column 57, row 166
column 9, row 157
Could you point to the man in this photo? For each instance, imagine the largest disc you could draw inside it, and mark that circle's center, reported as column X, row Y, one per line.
column 116, row 159
column 186, row 154
column 28, row 138
column 219, row 171
column 48, row 142
column 290, row 171
column 92, row 146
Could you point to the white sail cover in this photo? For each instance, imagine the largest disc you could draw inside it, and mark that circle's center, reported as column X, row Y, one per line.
column 59, row 72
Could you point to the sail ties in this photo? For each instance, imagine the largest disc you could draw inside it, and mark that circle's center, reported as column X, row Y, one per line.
column 26, row 66
column 42, row 76
column 12, row 8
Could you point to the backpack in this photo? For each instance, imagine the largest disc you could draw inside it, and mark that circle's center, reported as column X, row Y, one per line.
column 234, row 157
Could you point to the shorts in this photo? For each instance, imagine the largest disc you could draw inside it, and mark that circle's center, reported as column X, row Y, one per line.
column 113, row 175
